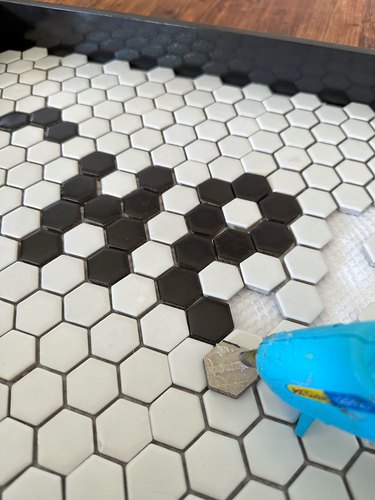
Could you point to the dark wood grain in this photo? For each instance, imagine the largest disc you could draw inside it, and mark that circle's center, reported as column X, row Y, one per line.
column 348, row 22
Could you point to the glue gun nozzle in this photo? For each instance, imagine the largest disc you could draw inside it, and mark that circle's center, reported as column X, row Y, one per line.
column 248, row 358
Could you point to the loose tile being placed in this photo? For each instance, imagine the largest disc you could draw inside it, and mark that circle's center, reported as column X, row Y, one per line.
column 224, row 371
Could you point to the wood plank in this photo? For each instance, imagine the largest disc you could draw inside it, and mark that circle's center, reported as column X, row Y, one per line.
column 348, row 22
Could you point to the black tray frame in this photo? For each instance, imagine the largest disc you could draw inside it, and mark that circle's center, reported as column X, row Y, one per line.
column 338, row 74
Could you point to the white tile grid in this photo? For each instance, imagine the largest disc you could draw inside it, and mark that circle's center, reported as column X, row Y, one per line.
column 257, row 132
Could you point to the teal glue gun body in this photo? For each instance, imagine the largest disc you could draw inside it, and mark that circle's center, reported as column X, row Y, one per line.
column 328, row 373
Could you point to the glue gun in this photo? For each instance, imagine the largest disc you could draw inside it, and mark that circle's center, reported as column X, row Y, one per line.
column 328, row 373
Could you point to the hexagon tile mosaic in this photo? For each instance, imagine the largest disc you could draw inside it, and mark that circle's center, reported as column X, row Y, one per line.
column 133, row 206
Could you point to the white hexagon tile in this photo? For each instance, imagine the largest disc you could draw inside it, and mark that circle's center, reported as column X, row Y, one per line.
column 143, row 217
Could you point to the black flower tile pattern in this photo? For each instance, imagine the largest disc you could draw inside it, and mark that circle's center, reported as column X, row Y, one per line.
column 135, row 205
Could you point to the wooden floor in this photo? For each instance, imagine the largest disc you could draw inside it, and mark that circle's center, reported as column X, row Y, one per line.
column 349, row 22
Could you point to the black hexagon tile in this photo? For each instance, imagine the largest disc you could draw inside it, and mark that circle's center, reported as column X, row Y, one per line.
column 103, row 210
column 233, row 245
column 210, row 320
column 61, row 216
column 40, row 247
column 61, row 132
column 107, row 266
column 272, row 237
column 141, row 204
column 194, row 252
column 280, row 207
column 13, row 121
column 126, row 234
column 215, row 191
column 251, row 187
column 79, row 188
column 136, row 201
column 97, row 164
column 205, row 220
column 45, row 116
column 179, row 287
column 157, row 179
